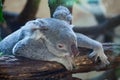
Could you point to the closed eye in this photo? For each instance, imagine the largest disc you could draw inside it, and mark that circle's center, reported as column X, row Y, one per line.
column 61, row 46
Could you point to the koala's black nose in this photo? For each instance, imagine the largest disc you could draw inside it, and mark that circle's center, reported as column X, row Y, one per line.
column 74, row 50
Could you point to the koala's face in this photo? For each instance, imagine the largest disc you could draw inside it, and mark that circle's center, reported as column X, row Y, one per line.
column 64, row 44
column 61, row 40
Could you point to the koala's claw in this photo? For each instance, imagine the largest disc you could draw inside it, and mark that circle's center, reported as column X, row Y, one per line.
column 91, row 55
column 103, row 58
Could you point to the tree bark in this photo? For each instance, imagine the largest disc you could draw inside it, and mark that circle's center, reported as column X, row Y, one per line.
column 103, row 28
column 17, row 68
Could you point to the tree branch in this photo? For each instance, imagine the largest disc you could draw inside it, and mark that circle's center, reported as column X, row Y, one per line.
column 99, row 29
column 29, row 11
column 23, row 68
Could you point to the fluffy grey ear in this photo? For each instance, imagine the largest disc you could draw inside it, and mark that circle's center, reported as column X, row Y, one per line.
column 42, row 25
column 37, row 24
column 42, row 28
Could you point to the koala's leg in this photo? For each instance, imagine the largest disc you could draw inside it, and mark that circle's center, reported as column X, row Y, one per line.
column 84, row 41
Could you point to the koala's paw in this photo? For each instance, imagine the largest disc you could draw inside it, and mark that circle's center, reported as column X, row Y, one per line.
column 102, row 57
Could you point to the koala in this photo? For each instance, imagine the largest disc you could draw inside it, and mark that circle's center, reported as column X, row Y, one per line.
column 43, row 39
column 50, row 39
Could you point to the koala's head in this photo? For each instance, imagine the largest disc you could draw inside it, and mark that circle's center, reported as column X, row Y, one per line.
column 59, row 38
column 62, row 13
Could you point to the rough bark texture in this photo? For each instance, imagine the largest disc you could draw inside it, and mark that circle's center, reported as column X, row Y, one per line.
column 18, row 68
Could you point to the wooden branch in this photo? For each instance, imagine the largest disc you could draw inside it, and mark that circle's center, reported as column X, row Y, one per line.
column 103, row 28
column 91, row 30
column 29, row 11
column 16, row 68
column 15, row 21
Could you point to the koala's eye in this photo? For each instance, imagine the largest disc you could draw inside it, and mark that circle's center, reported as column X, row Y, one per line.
column 61, row 46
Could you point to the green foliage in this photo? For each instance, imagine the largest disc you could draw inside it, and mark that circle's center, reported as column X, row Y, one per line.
column 117, row 70
column 67, row 3
column 1, row 54
column 70, row 2
column 1, row 13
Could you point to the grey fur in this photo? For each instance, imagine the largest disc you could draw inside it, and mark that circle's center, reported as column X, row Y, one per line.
column 62, row 13
column 7, row 44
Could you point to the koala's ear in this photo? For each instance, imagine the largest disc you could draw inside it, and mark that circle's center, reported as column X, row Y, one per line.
column 42, row 25
column 41, row 28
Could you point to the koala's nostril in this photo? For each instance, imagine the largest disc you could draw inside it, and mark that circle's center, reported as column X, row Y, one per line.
column 74, row 50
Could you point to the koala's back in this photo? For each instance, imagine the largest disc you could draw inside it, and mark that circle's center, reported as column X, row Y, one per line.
column 56, row 23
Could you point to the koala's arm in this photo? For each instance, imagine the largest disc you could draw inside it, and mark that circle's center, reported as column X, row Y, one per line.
column 8, row 42
column 29, row 48
column 84, row 41
column 20, row 47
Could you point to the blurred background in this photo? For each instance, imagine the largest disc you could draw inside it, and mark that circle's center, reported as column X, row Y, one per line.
column 98, row 19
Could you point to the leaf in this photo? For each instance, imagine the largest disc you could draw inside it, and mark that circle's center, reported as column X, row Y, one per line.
column 1, row 13
column 63, row 2
column 52, row 2
column 1, row 54
column 70, row 2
